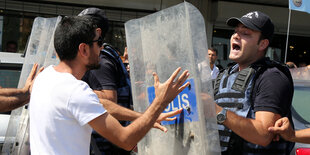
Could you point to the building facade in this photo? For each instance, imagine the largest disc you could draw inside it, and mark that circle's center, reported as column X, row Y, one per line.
column 16, row 17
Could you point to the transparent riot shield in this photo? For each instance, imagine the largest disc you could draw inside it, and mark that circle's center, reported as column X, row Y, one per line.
column 161, row 42
column 39, row 50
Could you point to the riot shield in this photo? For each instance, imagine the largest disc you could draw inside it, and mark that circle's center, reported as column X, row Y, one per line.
column 161, row 42
column 39, row 50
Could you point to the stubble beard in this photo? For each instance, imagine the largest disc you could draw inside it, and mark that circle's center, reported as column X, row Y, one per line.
column 93, row 66
column 94, row 62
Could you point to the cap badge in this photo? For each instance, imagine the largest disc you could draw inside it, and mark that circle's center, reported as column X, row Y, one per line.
column 250, row 15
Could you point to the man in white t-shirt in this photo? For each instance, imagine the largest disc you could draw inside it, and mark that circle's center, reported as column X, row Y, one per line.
column 204, row 66
column 64, row 110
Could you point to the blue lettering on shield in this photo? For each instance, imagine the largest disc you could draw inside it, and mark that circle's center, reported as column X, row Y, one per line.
column 186, row 100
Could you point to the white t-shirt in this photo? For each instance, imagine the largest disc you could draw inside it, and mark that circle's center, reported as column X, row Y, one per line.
column 60, row 108
column 214, row 72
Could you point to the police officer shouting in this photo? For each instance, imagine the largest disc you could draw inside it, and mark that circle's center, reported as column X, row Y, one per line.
column 251, row 95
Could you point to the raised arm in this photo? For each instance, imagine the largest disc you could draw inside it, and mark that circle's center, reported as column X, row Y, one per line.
column 125, row 114
column 108, row 98
column 128, row 137
column 11, row 98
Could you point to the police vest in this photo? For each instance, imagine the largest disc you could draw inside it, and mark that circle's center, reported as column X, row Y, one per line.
column 233, row 90
column 124, row 96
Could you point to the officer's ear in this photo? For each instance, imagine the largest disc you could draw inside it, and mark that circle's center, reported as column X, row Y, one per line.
column 263, row 44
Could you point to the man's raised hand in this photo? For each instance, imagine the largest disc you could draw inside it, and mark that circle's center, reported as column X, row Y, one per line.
column 168, row 90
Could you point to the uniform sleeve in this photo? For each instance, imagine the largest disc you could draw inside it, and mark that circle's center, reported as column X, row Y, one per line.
column 274, row 92
column 84, row 104
column 104, row 78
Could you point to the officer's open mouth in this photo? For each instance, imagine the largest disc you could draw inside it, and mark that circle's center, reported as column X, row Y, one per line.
column 235, row 46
